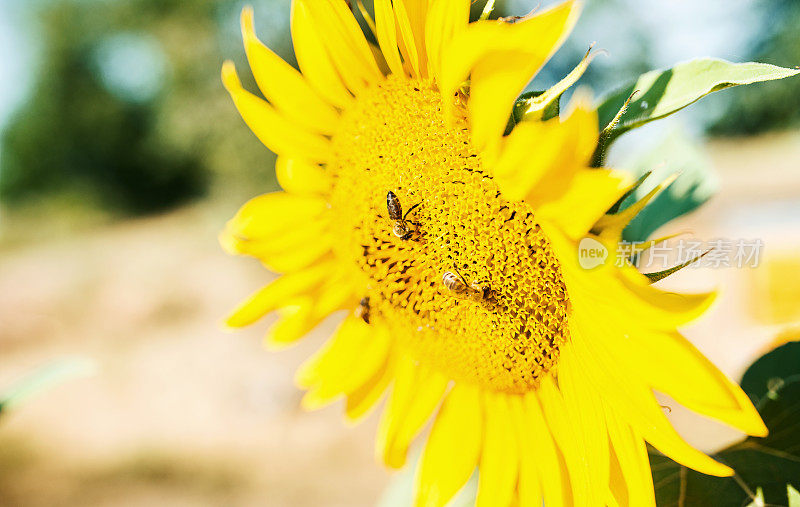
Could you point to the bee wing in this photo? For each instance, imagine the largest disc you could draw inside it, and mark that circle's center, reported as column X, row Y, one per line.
column 393, row 206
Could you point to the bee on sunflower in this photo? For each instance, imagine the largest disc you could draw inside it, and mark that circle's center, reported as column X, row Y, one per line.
column 449, row 236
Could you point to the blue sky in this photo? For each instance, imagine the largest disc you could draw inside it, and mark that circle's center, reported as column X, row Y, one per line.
column 16, row 50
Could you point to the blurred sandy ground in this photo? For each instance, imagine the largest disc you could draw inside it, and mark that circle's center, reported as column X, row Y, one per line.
column 181, row 413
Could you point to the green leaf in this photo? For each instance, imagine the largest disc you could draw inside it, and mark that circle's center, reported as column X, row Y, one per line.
column 663, row 92
column 769, row 465
column 771, row 371
column 695, row 184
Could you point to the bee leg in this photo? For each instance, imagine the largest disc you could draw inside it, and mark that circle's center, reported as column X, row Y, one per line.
column 410, row 209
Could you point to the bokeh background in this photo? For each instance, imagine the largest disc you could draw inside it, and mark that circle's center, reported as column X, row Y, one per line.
column 121, row 156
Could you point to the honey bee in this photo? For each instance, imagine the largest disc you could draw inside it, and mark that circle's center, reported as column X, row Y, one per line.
column 402, row 228
column 363, row 309
column 454, row 282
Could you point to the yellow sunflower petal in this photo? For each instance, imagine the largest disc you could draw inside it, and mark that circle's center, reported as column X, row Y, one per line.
column 502, row 59
column 672, row 365
column 416, row 394
column 519, row 167
column 279, row 134
column 453, row 447
column 354, row 356
column 283, row 86
column 338, row 293
column 408, row 44
column 287, row 251
column 615, row 294
column 274, row 213
column 272, row 296
column 583, row 403
column 342, row 346
column 289, row 248
column 619, row 490
column 445, row 19
column 634, row 466
column 545, row 458
column 590, row 194
column 553, row 180
column 303, row 178
column 304, row 236
column 345, row 43
column 668, row 310
column 361, row 401
column 313, row 58
column 547, row 173
column 500, row 457
column 289, row 261
column 387, row 35
column 417, row 17
column 530, row 482
column 300, row 315
column 582, row 113
column 295, row 320
column 564, row 431
column 638, row 406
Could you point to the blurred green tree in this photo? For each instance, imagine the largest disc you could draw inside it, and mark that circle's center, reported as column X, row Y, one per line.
column 770, row 106
column 127, row 109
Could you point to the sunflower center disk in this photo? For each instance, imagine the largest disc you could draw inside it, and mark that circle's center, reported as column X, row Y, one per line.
column 502, row 315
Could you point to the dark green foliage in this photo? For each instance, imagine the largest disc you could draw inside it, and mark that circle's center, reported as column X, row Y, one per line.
column 74, row 136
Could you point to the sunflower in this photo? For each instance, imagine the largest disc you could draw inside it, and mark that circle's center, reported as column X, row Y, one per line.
column 448, row 235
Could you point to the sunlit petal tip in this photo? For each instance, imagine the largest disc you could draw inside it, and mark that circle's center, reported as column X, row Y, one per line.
column 349, row 420
column 246, row 20
column 575, row 9
column 709, row 298
column 228, row 242
column 312, row 401
column 294, row 322
column 305, row 376
column 757, row 428
column 229, row 77
column 225, row 326
column 232, row 322
column 720, row 470
column 748, row 419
